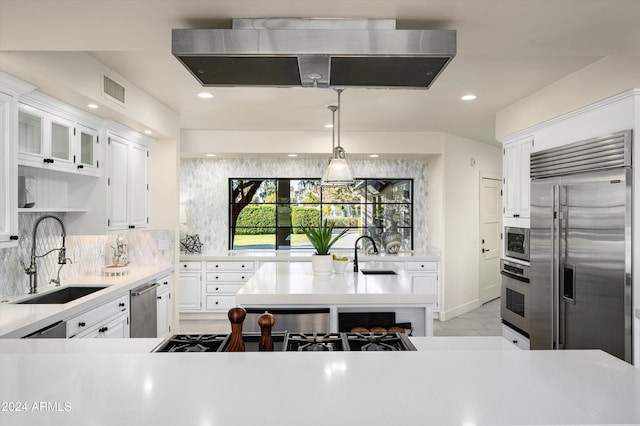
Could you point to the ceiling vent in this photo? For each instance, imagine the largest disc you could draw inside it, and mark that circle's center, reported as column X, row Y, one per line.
column 335, row 53
column 112, row 90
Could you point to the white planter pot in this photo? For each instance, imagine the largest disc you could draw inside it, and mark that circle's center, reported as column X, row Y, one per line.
column 321, row 264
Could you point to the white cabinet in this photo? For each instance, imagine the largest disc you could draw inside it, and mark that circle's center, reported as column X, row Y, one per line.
column 164, row 307
column 110, row 319
column 424, row 278
column 516, row 179
column 190, row 291
column 127, row 181
column 56, row 142
column 8, row 174
column 222, row 281
column 514, row 337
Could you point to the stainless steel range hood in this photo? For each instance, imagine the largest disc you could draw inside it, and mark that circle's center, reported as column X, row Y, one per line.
column 368, row 53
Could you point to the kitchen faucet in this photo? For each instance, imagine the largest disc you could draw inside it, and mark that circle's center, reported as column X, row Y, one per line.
column 32, row 270
column 355, row 249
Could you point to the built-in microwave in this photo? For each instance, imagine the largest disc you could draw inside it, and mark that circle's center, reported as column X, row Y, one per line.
column 516, row 243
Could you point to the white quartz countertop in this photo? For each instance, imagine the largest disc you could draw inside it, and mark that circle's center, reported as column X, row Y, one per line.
column 18, row 320
column 295, row 284
column 428, row 387
column 305, row 256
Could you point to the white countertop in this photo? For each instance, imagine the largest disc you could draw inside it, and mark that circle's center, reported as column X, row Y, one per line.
column 305, row 255
column 19, row 320
column 75, row 346
column 430, row 387
column 295, row 284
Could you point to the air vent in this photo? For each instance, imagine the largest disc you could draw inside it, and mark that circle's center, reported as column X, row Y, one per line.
column 112, row 89
column 606, row 152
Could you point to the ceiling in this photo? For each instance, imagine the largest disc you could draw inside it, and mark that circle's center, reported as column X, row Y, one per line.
column 507, row 50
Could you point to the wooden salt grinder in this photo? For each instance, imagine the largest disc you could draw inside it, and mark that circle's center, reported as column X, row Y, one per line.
column 266, row 321
column 236, row 316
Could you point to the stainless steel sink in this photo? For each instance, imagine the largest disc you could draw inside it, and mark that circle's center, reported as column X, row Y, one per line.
column 64, row 295
column 378, row 272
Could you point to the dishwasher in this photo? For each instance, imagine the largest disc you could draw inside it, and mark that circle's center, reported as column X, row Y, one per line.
column 144, row 315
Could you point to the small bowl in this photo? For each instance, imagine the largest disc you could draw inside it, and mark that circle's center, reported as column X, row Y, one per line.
column 339, row 266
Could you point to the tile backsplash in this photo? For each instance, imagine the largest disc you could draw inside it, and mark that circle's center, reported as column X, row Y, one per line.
column 204, row 190
column 87, row 253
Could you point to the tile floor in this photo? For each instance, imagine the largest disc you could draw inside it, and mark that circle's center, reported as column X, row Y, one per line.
column 484, row 321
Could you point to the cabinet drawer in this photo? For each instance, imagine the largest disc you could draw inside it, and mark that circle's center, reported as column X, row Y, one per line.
column 90, row 318
column 514, row 337
column 422, row 266
column 230, row 266
column 190, row 266
column 228, row 276
column 222, row 289
column 220, row 303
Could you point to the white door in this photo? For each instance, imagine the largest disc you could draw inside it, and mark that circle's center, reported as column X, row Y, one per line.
column 490, row 227
column 118, row 183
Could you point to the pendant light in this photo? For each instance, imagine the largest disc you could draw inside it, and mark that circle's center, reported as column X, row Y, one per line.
column 339, row 170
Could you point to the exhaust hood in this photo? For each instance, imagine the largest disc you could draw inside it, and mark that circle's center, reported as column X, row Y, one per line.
column 367, row 53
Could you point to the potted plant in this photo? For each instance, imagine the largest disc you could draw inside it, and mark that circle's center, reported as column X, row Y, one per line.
column 321, row 237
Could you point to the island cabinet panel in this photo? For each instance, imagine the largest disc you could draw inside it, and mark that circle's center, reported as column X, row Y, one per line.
column 190, row 291
column 425, row 284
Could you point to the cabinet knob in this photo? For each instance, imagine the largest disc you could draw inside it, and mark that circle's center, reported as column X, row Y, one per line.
column 81, row 324
column 13, row 237
column 80, row 166
column 242, row 266
column 217, row 302
column 217, row 288
column 184, row 266
column 121, row 304
column 515, row 342
column 242, row 277
column 216, row 266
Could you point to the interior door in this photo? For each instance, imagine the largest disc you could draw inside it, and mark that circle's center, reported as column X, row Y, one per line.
column 490, row 228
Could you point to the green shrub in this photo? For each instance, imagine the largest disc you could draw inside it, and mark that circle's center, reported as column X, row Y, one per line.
column 304, row 216
column 256, row 219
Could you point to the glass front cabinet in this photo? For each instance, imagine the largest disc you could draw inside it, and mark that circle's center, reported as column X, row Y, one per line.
column 48, row 141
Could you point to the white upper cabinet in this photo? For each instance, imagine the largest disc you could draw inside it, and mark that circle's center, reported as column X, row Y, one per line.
column 128, row 187
column 8, row 176
column 55, row 141
column 516, row 179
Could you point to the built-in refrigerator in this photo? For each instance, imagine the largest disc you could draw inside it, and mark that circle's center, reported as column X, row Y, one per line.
column 581, row 251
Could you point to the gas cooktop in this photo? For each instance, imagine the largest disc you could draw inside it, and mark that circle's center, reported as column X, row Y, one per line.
column 291, row 342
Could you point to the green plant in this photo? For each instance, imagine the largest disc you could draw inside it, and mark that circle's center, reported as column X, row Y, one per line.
column 321, row 236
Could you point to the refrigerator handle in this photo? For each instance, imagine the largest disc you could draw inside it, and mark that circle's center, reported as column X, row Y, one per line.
column 568, row 283
column 556, row 253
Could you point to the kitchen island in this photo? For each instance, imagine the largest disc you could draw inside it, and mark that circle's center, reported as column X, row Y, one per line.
column 293, row 285
column 428, row 387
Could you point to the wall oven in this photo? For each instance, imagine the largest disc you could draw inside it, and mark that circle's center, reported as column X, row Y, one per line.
column 514, row 301
column 516, row 243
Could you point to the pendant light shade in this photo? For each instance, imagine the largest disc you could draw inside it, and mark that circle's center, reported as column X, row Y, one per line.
column 339, row 171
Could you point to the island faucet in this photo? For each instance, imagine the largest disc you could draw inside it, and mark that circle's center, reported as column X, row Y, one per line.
column 355, row 249
column 32, row 270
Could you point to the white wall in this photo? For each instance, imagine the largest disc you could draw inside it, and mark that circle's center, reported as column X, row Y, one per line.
column 460, row 217
column 602, row 79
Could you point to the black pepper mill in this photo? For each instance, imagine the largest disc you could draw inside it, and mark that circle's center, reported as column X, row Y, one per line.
column 236, row 316
column 266, row 321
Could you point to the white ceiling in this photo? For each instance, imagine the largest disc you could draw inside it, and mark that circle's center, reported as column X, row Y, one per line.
column 506, row 51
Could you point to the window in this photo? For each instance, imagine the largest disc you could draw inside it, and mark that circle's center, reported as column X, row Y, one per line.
column 268, row 213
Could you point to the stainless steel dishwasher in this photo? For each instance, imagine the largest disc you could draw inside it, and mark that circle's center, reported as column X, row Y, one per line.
column 144, row 315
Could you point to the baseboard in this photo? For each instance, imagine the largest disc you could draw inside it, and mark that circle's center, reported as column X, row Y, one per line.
column 459, row 310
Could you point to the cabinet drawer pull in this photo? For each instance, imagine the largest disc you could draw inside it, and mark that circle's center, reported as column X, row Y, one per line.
column 159, row 297
column 80, row 166
column 82, row 324
column 13, row 237
column 121, row 304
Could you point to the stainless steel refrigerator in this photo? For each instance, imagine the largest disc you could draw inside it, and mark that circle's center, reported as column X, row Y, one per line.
column 581, row 251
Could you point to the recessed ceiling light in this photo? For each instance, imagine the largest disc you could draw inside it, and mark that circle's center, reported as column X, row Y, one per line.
column 205, row 95
column 148, row 132
column 92, row 106
column 468, row 97
column 211, row 155
column 292, row 155
column 374, row 155
column 328, row 126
